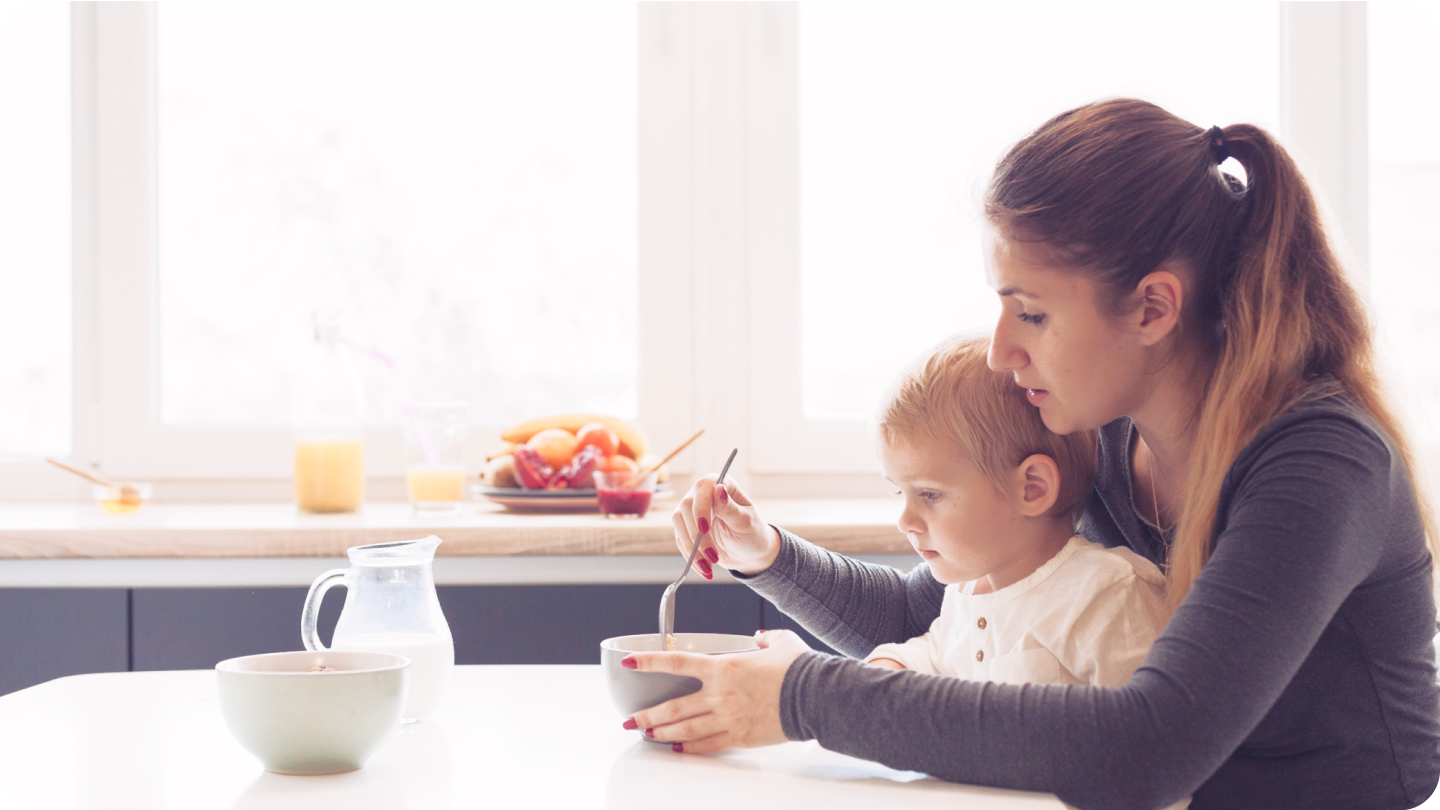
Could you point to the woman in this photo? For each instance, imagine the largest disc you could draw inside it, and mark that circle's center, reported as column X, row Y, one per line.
column 1207, row 329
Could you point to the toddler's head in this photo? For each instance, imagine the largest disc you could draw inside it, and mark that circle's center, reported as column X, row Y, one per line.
column 988, row 489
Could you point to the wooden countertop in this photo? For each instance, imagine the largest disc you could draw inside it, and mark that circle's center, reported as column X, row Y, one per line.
column 181, row 530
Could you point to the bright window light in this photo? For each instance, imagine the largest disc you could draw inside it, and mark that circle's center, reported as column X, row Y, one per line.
column 460, row 178
column 906, row 106
column 1404, row 210
column 35, row 409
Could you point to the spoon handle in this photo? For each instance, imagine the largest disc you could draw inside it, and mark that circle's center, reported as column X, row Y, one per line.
column 104, row 482
column 667, row 602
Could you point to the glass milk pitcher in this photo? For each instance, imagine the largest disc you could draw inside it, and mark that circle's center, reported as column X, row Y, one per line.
column 391, row 606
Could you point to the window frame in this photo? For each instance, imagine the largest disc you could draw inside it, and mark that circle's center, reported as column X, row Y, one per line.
column 719, row 281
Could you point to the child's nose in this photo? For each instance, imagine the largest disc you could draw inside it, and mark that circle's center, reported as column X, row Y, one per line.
column 908, row 524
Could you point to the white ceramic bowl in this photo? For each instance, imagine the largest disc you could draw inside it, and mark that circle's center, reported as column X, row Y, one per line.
column 632, row 691
column 302, row 722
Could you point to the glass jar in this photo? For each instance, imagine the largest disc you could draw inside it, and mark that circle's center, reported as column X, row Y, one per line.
column 328, row 413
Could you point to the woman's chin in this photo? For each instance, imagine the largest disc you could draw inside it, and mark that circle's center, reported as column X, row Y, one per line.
column 1055, row 422
column 1061, row 423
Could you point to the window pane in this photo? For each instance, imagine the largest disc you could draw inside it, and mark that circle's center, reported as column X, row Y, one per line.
column 904, row 109
column 35, row 229
column 1404, row 209
column 460, row 178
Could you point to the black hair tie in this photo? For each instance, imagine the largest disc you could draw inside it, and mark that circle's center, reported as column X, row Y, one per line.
column 1217, row 144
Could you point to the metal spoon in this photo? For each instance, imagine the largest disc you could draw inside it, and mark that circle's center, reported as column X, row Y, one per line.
column 667, row 602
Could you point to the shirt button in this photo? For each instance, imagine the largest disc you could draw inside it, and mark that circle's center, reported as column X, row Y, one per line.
column 981, row 624
column 979, row 655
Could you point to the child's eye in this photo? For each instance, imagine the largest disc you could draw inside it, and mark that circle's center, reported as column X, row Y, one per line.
column 1032, row 319
column 930, row 496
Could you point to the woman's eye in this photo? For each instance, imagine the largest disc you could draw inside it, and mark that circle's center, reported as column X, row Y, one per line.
column 930, row 496
column 1032, row 319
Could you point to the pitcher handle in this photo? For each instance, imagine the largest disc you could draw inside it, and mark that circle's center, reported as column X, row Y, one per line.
column 310, row 616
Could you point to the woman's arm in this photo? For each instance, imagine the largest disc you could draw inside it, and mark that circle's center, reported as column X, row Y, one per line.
column 1304, row 523
column 1299, row 535
column 853, row 606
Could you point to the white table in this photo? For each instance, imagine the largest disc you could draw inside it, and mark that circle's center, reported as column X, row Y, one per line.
column 528, row 736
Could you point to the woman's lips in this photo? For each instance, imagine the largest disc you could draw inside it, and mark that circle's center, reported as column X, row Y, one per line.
column 1036, row 395
column 928, row 554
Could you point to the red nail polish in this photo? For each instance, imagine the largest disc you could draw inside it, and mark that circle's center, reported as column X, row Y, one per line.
column 704, row 525
column 650, row 732
column 678, row 748
column 724, row 498
column 629, row 724
column 712, row 555
column 705, row 570
column 760, row 631
column 629, row 663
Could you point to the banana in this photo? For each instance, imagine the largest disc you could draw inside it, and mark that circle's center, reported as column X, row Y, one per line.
column 500, row 472
column 632, row 441
column 503, row 449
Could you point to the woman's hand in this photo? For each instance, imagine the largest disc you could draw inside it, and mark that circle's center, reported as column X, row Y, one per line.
column 738, row 705
column 735, row 536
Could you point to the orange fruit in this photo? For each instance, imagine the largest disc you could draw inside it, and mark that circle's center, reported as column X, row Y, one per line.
column 599, row 436
column 555, row 445
column 618, row 463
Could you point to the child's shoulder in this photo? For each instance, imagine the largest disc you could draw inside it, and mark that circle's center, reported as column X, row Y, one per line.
column 1107, row 566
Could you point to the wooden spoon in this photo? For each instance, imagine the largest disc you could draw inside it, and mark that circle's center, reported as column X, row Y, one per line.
column 128, row 492
column 640, row 476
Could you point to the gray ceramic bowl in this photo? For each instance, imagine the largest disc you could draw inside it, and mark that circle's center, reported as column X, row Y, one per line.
column 301, row 722
column 632, row 691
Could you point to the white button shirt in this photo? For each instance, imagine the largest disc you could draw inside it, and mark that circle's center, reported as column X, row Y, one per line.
column 1088, row 617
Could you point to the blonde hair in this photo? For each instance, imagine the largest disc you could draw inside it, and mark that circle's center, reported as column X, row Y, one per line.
column 1119, row 186
column 951, row 396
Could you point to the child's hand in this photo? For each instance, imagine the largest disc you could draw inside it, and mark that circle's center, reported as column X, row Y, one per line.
column 735, row 535
column 888, row 663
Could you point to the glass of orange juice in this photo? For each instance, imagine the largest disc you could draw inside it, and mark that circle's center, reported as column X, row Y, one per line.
column 328, row 412
column 436, row 435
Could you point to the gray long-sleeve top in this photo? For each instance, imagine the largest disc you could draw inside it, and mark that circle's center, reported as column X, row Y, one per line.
column 1297, row 673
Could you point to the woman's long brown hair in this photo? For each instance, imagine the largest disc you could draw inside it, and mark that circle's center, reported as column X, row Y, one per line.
column 1119, row 186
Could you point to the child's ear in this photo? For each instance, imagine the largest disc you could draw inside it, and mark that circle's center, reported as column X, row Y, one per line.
column 1041, row 477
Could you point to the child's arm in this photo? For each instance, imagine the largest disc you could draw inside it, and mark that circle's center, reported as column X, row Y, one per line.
column 918, row 654
column 922, row 653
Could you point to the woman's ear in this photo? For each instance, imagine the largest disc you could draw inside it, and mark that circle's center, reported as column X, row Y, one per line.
column 1041, row 481
column 1162, row 296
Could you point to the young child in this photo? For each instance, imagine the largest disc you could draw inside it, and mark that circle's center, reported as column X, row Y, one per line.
column 989, row 499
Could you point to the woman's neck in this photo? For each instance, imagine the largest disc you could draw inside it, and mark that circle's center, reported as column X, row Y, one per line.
column 1167, row 422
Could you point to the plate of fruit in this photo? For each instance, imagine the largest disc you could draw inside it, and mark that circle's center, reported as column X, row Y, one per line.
column 549, row 464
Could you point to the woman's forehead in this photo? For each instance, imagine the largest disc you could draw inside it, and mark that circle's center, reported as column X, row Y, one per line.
column 1026, row 269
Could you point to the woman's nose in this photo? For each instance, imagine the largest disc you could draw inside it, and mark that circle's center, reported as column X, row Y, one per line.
column 1005, row 354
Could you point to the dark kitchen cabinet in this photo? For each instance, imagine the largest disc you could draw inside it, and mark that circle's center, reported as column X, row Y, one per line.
column 49, row 633
column 193, row 628
column 52, row 632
